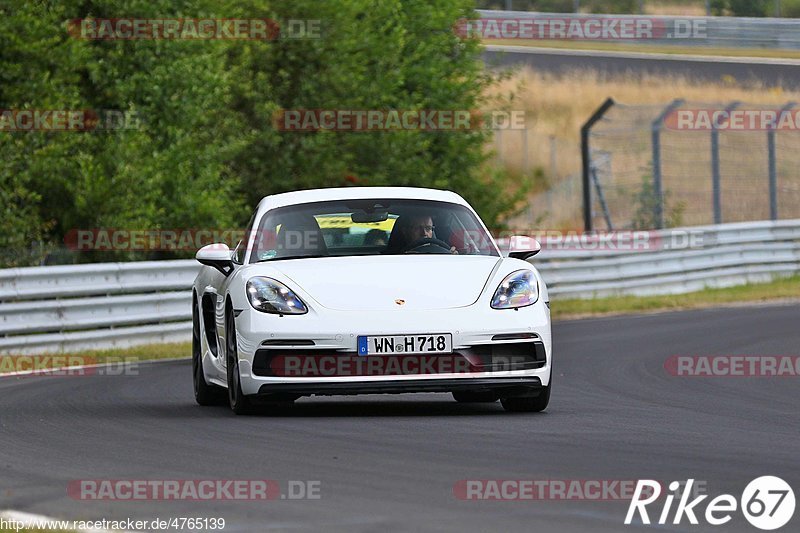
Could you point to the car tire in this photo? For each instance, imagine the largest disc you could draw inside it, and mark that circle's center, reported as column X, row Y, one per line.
column 204, row 394
column 529, row 404
column 239, row 403
column 475, row 397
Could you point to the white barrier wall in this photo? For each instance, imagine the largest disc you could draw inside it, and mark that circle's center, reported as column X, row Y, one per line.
column 64, row 308
column 698, row 32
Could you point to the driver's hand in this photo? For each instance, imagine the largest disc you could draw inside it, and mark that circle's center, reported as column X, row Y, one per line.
column 453, row 250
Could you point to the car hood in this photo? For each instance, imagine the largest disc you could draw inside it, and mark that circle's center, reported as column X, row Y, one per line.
column 377, row 283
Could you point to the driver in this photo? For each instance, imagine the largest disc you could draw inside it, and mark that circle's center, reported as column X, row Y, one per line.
column 420, row 227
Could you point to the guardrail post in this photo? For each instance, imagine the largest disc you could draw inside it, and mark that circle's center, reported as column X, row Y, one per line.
column 715, row 175
column 773, row 165
column 587, row 163
column 656, row 140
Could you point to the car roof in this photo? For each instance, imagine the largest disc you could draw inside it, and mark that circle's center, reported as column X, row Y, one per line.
column 358, row 193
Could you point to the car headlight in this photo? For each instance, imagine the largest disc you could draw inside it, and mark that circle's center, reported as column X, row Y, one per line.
column 272, row 296
column 518, row 289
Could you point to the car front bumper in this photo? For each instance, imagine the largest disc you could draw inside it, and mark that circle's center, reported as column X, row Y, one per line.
column 504, row 386
column 336, row 333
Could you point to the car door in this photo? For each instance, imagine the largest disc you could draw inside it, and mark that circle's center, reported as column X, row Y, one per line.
column 220, row 290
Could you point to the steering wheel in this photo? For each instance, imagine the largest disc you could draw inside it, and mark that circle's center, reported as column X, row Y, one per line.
column 428, row 245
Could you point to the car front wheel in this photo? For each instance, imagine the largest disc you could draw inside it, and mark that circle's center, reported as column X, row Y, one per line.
column 239, row 403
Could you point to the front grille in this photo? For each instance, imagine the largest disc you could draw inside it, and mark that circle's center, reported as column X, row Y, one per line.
column 276, row 362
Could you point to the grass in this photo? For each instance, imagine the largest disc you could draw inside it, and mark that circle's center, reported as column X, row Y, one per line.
column 781, row 289
column 684, row 8
column 557, row 105
column 604, row 46
column 112, row 355
column 144, row 352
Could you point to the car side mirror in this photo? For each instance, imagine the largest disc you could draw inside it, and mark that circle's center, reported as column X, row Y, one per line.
column 216, row 255
column 522, row 247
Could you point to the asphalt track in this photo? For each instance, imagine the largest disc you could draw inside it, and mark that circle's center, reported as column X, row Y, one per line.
column 768, row 72
column 389, row 463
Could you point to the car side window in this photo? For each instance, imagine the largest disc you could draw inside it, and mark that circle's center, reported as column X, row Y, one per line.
column 244, row 242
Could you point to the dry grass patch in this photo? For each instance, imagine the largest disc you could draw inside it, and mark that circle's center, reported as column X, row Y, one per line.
column 556, row 107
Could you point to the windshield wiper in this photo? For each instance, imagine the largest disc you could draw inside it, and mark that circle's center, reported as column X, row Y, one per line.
column 292, row 257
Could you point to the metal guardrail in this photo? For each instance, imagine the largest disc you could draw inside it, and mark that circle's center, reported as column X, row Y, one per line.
column 65, row 308
column 74, row 307
column 724, row 32
column 723, row 255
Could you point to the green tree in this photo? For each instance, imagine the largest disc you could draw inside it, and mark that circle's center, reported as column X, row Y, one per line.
column 169, row 172
column 386, row 55
column 206, row 150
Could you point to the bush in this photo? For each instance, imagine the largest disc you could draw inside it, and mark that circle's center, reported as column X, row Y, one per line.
column 615, row 6
column 645, row 201
column 790, row 8
column 743, row 8
column 207, row 151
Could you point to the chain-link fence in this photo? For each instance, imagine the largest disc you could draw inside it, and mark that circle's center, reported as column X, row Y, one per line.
column 550, row 166
column 692, row 163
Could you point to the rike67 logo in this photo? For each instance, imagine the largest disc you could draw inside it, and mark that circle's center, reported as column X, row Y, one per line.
column 767, row 503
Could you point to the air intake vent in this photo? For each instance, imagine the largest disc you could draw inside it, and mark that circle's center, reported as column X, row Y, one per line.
column 514, row 336
column 288, row 342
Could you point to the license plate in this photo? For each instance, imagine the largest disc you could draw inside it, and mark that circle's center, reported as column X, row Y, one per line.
column 399, row 344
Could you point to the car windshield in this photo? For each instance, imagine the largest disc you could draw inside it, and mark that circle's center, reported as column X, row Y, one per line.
column 370, row 227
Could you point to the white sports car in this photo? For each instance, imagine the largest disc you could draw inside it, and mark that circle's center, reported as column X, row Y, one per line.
column 370, row 290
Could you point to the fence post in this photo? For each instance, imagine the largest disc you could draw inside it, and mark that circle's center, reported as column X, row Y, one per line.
column 602, row 199
column 773, row 164
column 715, row 175
column 587, row 163
column 656, row 140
